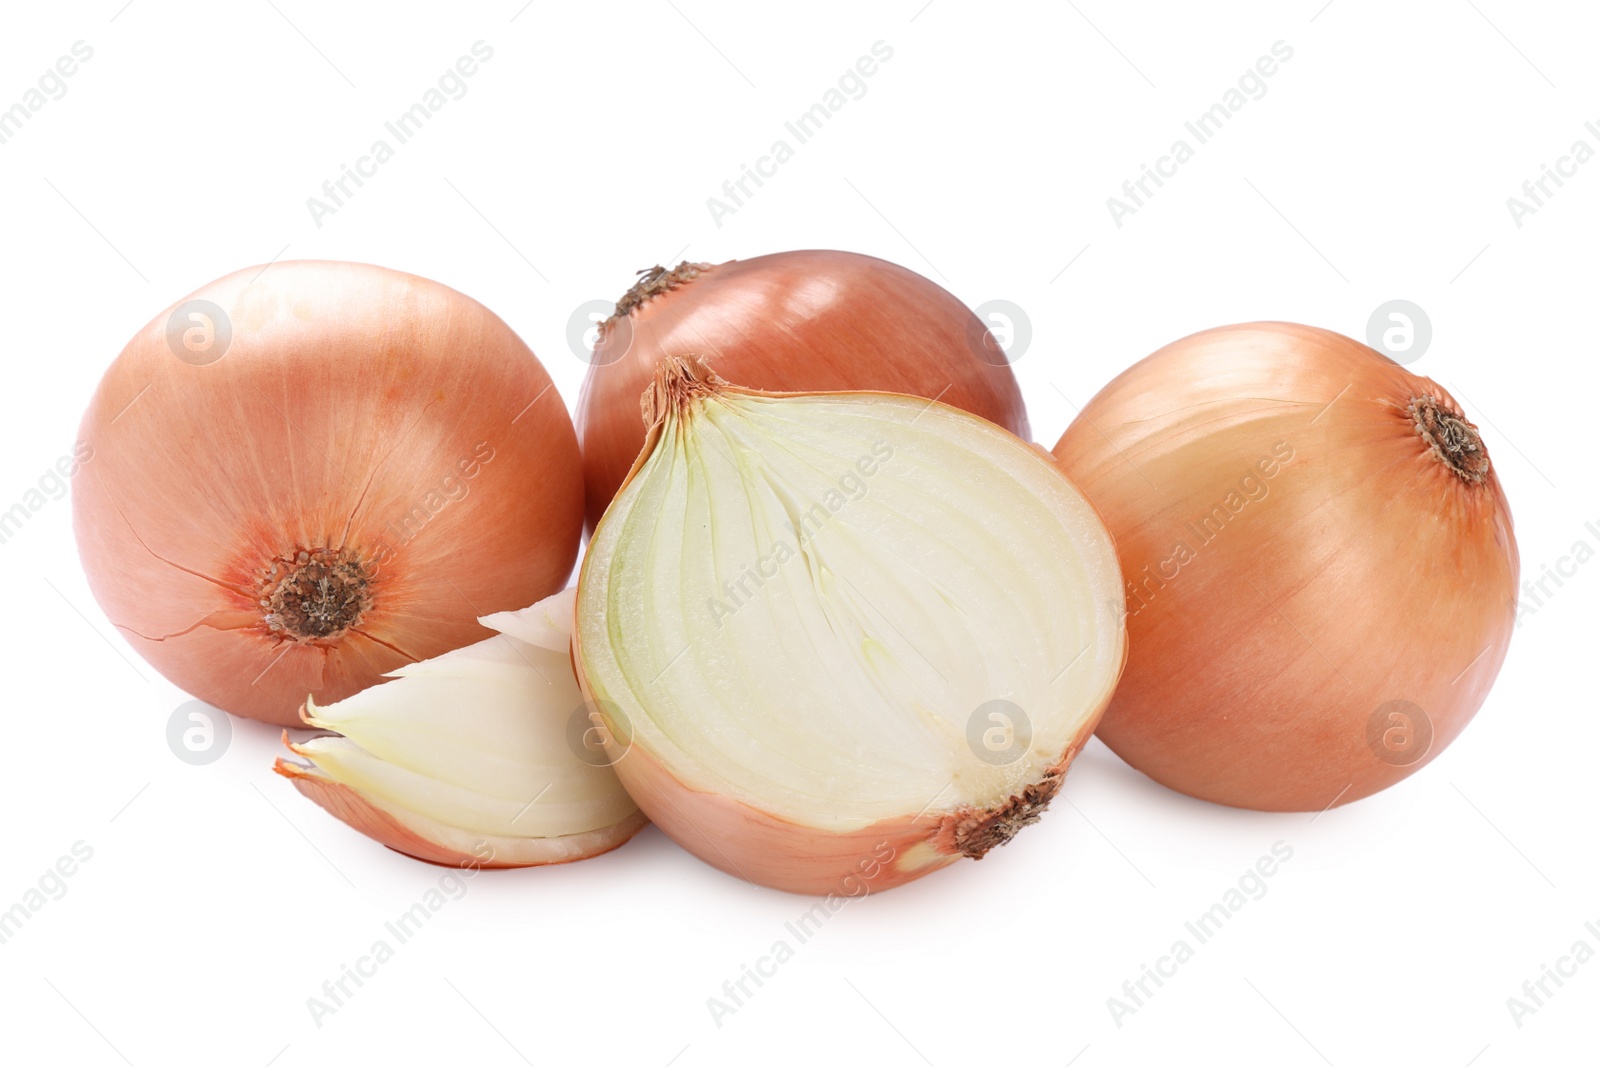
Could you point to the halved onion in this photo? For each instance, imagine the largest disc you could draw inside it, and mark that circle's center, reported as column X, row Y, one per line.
column 471, row 758
column 843, row 639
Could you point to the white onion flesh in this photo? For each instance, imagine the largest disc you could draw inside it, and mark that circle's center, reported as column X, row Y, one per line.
column 944, row 565
column 475, row 745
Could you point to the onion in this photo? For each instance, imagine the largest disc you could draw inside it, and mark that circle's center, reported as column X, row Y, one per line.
column 470, row 758
column 309, row 475
column 809, row 321
column 1319, row 558
column 839, row 640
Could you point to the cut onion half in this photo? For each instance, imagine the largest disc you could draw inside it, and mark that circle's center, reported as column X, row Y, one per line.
column 481, row 757
column 840, row 640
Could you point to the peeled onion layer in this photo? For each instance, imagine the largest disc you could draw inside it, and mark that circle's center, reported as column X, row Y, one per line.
column 469, row 757
column 1321, row 565
column 798, row 614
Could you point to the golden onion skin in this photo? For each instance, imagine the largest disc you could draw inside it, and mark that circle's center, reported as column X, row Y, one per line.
column 1320, row 563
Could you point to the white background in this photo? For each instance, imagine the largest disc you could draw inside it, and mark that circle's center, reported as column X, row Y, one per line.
column 1377, row 166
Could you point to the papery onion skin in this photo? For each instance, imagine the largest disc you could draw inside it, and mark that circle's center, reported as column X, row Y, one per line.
column 1272, row 648
column 803, row 321
column 342, row 420
column 770, row 850
column 394, row 830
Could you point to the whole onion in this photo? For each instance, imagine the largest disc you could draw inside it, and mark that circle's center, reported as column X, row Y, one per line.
column 1319, row 564
column 312, row 474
